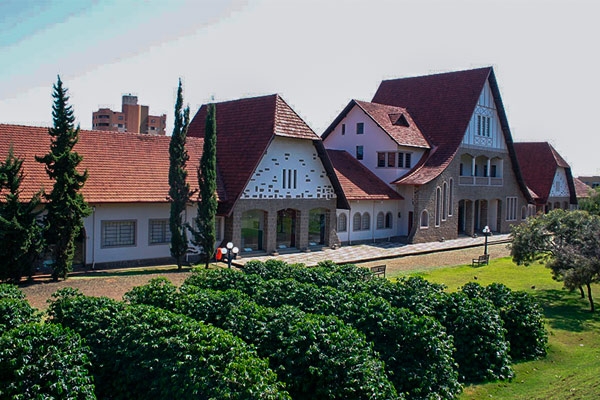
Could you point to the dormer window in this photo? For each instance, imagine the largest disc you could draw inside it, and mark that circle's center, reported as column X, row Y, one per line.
column 398, row 120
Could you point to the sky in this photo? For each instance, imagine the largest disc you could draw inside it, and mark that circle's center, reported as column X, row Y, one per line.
column 317, row 54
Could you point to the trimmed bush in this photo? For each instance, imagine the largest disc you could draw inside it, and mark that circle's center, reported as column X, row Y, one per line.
column 142, row 352
column 522, row 316
column 44, row 362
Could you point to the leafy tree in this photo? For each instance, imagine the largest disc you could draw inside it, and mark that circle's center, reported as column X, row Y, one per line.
column 179, row 189
column 567, row 241
column 204, row 224
column 591, row 204
column 20, row 233
column 66, row 206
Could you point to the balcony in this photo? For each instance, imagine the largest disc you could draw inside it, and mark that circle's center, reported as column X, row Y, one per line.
column 480, row 181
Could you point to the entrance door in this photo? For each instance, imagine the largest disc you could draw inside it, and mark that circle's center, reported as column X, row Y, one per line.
column 316, row 227
column 286, row 228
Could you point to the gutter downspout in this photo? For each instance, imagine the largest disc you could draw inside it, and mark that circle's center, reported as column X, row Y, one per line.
column 93, row 237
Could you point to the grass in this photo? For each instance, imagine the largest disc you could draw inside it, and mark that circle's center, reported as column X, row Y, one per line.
column 570, row 371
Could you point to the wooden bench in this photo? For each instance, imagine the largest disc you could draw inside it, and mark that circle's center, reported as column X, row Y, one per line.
column 379, row 270
column 481, row 260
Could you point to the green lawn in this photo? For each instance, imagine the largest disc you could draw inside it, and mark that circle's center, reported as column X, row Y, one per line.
column 572, row 368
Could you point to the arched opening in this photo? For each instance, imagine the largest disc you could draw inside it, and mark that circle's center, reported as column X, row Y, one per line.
column 366, row 221
column 286, row 228
column 342, row 223
column 356, row 222
column 317, row 221
column 253, row 223
column 424, row 219
column 380, row 220
column 388, row 220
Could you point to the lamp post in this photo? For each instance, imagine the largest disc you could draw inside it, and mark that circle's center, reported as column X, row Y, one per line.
column 231, row 252
column 486, row 233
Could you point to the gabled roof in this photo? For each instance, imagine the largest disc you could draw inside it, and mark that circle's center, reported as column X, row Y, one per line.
column 122, row 167
column 245, row 128
column 538, row 162
column 357, row 181
column 395, row 121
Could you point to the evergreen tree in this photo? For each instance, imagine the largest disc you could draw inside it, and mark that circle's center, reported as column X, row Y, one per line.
column 204, row 231
column 20, row 234
column 66, row 205
column 179, row 189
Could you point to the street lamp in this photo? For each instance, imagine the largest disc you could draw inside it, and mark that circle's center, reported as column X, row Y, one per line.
column 231, row 252
column 486, row 233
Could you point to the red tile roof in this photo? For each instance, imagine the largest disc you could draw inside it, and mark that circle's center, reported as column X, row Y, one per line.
column 442, row 106
column 245, row 128
column 122, row 167
column 582, row 189
column 386, row 118
column 538, row 162
column 358, row 182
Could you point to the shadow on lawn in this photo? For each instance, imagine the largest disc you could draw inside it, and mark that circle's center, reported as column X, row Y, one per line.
column 566, row 310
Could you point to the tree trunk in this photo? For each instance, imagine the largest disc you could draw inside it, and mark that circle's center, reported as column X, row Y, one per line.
column 589, row 290
column 581, row 291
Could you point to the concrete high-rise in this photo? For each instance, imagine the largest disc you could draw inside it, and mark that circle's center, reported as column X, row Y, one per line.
column 132, row 118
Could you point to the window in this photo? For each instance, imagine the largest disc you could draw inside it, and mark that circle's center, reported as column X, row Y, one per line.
column 444, row 201
column 343, row 129
column 120, row 118
column 159, row 231
column 359, row 152
column 118, row 233
column 360, row 128
column 400, row 160
column 366, row 221
column 438, row 206
column 450, row 196
column 391, row 160
column 388, row 220
column 380, row 220
column 356, row 226
column 407, row 160
column 381, row 159
column 342, row 223
column 218, row 230
column 511, row 208
column 524, row 212
column 494, row 171
column 104, row 116
column 483, row 125
column 289, row 178
column 424, row 219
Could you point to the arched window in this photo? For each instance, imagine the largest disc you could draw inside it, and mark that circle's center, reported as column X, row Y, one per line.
column 388, row 220
column 450, row 196
column 438, row 206
column 356, row 222
column 444, row 201
column 366, row 221
column 380, row 220
column 424, row 219
column 342, row 223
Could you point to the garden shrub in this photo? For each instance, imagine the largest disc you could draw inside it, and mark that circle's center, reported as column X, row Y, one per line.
column 522, row 316
column 44, row 362
column 318, row 357
column 482, row 352
column 16, row 312
column 149, row 353
column 9, row 291
column 158, row 292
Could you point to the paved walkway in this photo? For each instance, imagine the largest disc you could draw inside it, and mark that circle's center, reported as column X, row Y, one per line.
column 376, row 251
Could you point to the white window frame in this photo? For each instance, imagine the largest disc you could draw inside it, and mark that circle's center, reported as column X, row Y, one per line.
column 511, row 208
column 165, row 234
column 118, row 225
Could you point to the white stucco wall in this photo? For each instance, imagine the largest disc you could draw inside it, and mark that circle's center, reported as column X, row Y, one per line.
column 299, row 155
column 373, row 140
column 141, row 213
column 486, row 106
column 373, row 208
column 560, row 187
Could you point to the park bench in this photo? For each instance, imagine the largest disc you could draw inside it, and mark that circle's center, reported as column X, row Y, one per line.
column 379, row 270
column 481, row 260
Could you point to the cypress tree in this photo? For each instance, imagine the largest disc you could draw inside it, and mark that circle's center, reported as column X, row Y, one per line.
column 204, row 232
column 179, row 189
column 65, row 204
column 21, row 240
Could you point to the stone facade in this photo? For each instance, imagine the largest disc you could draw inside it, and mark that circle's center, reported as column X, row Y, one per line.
column 270, row 208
